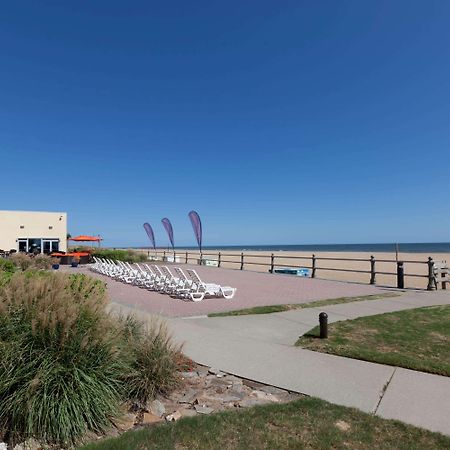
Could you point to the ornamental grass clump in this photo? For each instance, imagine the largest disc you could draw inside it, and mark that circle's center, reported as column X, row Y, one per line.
column 43, row 261
column 66, row 364
column 21, row 260
column 155, row 360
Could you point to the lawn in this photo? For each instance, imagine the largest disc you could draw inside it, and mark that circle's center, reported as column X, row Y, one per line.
column 308, row 423
column 287, row 307
column 417, row 339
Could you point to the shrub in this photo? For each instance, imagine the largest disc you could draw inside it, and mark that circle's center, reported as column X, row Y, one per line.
column 6, row 266
column 43, row 261
column 66, row 364
column 121, row 255
column 155, row 361
column 21, row 260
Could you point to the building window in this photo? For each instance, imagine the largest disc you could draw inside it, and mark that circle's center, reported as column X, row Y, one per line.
column 38, row 245
column 22, row 227
column 50, row 227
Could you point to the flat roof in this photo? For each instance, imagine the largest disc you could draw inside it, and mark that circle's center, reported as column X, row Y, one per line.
column 23, row 211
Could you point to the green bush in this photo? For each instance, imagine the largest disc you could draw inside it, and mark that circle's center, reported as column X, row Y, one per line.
column 66, row 364
column 7, row 266
column 121, row 255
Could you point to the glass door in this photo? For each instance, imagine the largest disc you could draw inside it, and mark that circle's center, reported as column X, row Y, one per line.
column 46, row 246
column 23, row 245
column 50, row 246
column 55, row 246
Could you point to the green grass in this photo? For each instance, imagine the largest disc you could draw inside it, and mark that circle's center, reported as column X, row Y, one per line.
column 417, row 339
column 287, row 307
column 308, row 423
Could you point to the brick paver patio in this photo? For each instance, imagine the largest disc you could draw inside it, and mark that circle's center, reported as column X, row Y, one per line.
column 253, row 289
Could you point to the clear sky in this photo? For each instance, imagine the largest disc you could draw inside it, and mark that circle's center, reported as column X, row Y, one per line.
column 289, row 122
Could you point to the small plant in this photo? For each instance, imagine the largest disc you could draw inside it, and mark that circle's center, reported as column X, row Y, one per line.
column 44, row 262
column 21, row 260
column 7, row 266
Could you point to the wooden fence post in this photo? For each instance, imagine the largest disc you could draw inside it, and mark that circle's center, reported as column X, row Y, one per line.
column 164, row 255
column 272, row 262
column 218, row 260
column 372, row 270
column 313, row 273
column 431, row 280
column 242, row 261
column 186, row 258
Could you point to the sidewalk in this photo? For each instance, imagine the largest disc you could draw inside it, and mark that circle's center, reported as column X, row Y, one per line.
column 261, row 348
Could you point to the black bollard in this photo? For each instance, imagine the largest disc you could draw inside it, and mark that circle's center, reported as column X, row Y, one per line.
column 400, row 275
column 323, row 322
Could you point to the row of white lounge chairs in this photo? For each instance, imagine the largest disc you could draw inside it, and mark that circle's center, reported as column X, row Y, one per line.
column 160, row 278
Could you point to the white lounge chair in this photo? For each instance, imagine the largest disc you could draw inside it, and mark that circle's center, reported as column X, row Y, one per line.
column 199, row 290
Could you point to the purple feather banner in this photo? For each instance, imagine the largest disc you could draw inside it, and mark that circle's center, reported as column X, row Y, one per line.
column 197, row 226
column 150, row 234
column 169, row 229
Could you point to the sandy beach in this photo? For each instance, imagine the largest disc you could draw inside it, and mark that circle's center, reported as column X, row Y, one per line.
column 414, row 263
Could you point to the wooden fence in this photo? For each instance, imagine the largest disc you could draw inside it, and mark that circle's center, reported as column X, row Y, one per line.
column 315, row 264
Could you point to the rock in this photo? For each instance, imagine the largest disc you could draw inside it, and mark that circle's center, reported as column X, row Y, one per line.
column 233, row 393
column 125, row 422
column 233, row 380
column 202, row 371
column 236, row 387
column 150, row 418
column 249, row 402
column 29, row 444
column 220, row 374
column 217, row 382
column 188, row 397
column 157, row 408
column 202, row 409
column 173, row 417
column 343, row 426
column 213, row 371
column 252, row 384
column 272, row 390
column 3, row 446
column 229, row 398
column 260, row 395
column 189, row 374
column 188, row 412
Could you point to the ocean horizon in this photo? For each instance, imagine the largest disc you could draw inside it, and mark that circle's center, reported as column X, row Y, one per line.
column 424, row 247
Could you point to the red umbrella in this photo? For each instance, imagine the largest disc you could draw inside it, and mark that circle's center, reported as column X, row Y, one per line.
column 84, row 238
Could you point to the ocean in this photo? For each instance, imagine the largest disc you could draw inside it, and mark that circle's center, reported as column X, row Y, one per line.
column 431, row 247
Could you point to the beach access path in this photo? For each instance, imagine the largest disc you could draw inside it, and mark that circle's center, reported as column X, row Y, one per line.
column 261, row 348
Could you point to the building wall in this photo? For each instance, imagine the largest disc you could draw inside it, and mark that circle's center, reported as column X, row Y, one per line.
column 36, row 224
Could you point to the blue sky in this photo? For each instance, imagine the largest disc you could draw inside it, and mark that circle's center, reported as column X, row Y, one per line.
column 289, row 122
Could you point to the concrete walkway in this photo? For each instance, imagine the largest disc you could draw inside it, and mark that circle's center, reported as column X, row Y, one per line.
column 260, row 347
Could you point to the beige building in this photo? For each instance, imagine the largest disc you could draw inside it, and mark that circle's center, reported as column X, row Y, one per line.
column 33, row 231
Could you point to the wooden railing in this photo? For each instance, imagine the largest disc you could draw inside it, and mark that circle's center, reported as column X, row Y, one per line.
column 313, row 263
